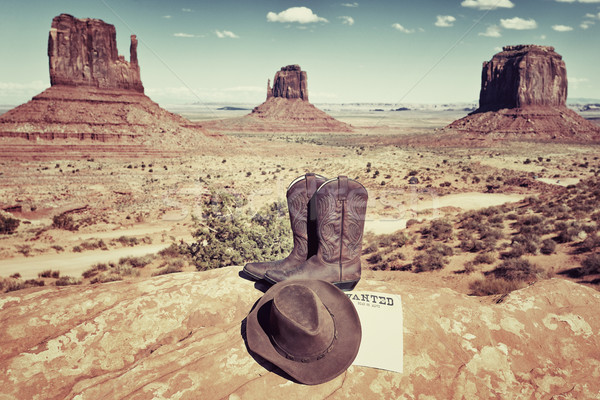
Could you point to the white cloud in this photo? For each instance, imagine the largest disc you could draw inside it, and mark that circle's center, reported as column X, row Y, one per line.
column 226, row 34
column 183, row 34
column 586, row 24
column 581, row 1
column 347, row 20
column 491, row 31
column 167, row 17
column 445, row 21
column 355, row 4
column 565, row 1
column 400, row 28
column 543, row 37
column 487, row 4
column 518, row 23
column 302, row 15
column 187, row 10
column 562, row 28
column 574, row 82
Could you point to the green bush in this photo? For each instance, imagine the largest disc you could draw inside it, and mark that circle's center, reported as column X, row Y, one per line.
column 8, row 225
column 227, row 236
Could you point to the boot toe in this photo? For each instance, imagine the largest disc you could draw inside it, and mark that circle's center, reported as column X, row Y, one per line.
column 255, row 270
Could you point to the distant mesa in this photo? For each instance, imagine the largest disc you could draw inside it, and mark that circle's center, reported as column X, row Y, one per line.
column 95, row 93
column 83, row 52
column 523, row 95
column 286, row 109
column 289, row 83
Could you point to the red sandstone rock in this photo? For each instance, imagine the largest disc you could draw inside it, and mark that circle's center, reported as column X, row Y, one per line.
column 290, row 82
column 522, row 76
column 95, row 94
column 286, row 109
column 181, row 336
column 83, row 52
column 523, row 95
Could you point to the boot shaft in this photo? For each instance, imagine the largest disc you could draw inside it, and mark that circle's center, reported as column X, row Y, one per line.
column 341, row 210
column 300, row 199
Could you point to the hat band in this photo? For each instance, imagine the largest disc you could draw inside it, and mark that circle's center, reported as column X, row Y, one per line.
column 307, row 359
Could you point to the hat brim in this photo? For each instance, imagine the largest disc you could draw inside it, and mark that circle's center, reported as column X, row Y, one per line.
column 341, row 356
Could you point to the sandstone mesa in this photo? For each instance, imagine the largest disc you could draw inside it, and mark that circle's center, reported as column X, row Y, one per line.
column 523, row 96
column 95, row 94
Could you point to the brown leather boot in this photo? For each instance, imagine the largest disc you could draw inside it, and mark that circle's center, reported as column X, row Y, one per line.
column 303, row 223
column 341, row 209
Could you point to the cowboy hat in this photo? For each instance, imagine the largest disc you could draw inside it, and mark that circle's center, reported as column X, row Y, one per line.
column 308, row 328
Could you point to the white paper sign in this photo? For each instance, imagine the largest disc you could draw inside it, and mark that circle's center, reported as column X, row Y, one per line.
column 381, row 321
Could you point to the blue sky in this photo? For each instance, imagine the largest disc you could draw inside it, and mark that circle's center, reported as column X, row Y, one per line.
column 394, row 51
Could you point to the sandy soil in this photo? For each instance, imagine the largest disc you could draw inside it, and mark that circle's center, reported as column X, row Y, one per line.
column 152, row 195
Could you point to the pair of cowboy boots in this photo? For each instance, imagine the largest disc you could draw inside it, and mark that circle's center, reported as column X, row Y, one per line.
column 327, row 219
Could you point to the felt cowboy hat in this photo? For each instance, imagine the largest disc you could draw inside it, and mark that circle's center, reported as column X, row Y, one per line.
column 308, row 328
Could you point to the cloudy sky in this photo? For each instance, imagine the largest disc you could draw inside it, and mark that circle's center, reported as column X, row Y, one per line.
column 394, row 51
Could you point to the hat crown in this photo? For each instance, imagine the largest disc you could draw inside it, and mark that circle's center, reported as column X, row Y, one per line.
column 302, row 328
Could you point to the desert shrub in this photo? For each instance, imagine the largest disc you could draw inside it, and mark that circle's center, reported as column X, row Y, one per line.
column 590, row 265
column 371, row 248
column 24, row 249
column 94, row 270
column 67, row 280
column 110, row 277
column 469, row 268
column 11, row 285
column 16, row 275
column 548, row 246
column 136, row 262
column 438, row 230
column 8, row 225
column 64, row 221
column 489, row 286
column 471, row 245
column 516, row 250
column 375, row 258
column 45, row 274
column 58, row 248
column 94, row 244
column 591, row 242
column 517, row 269
column 77, row 249
column 227, row 236
column 34, row 282
column 129, row 241
column 171, row 268
column 569, row 232
column 530, row 243
column 484, row 258
column 174, row 250
column 429, row 261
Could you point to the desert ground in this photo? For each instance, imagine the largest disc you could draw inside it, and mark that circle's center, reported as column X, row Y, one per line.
column 122, row 202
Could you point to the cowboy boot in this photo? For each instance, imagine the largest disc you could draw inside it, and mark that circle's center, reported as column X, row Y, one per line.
column 341, row 209
column 303, row 223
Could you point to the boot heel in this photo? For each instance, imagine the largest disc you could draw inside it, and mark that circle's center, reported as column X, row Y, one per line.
column 346, row 286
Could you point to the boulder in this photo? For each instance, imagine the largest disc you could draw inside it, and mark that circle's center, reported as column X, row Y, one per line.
column 182, row 336
column 83, row 52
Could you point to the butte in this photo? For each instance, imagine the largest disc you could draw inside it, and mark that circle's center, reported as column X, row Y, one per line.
column 286, row 109
column 523, row 96
column 95, row 95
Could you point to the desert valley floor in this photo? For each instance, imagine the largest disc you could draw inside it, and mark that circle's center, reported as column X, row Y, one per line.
column 128, row 200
